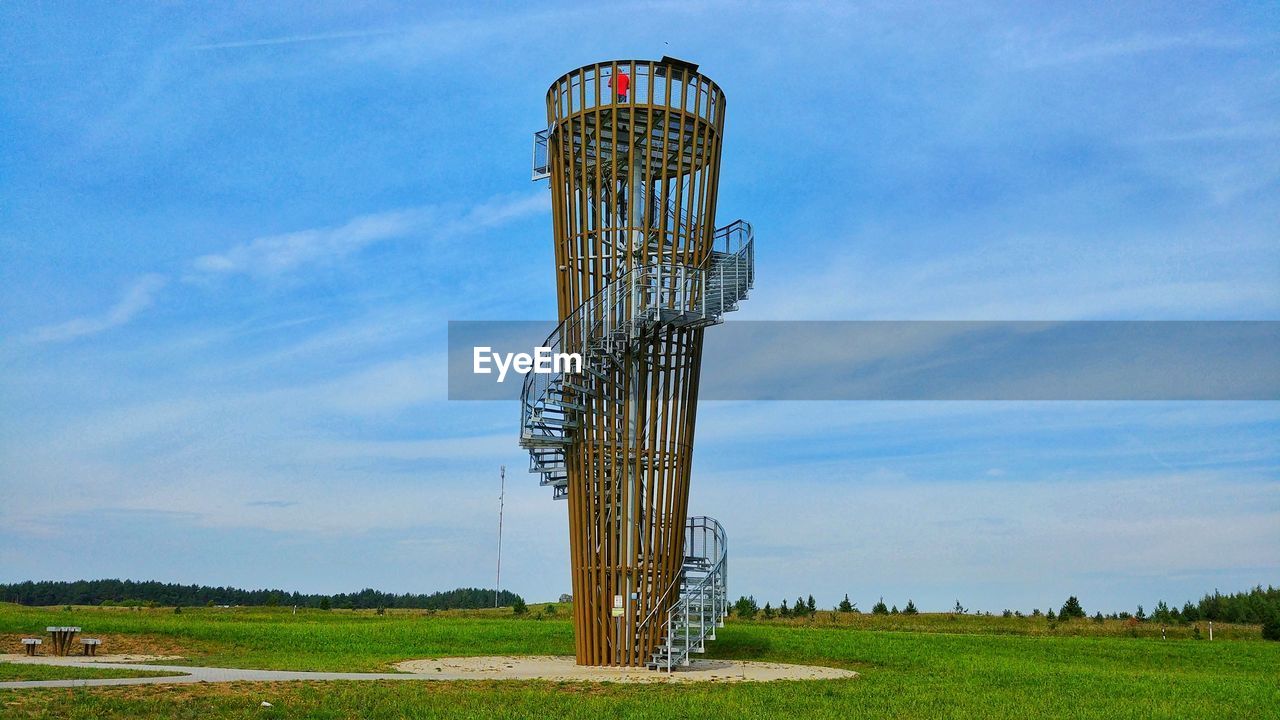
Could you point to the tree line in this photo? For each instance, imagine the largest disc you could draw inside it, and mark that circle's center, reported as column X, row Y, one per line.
column 132, row 593
column 1252, row 607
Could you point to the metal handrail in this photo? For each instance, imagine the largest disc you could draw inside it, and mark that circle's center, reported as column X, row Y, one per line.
column 637, row 298
column 716, row 580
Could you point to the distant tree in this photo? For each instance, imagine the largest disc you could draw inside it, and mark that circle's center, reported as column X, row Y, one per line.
column 880, row 608
column 910, row 609
column 1035, row 612
column 1072, row 609
column 783, row 610
column 1017, row 613
column 1161, row 614
column 324, row 603
column 1271, row 628
column 799, row 609
column 1098, row 617
column 746, row 607
column 893, row 610
column 959, row 609
column 1007, row 613
column 1050, row 615
column 1190, row 613
column 768, row 611
column 811, row 605
column 1141, row 615
column 845, row 605
column 518, row 607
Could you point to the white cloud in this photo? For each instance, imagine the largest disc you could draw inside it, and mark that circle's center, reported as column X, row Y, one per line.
column 138, row 297
column 278, row 254
column 274, row 254
column 1037, row 52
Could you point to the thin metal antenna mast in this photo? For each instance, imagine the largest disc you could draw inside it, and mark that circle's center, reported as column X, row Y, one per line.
column 502, row 492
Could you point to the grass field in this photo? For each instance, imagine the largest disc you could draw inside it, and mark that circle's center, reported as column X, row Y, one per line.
column 921, row 666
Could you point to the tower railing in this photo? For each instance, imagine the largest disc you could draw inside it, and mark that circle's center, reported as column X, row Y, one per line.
column 611, row 321
column 703, row 601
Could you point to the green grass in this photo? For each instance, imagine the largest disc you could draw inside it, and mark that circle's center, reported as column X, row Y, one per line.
column 22, row 671
column 963, row 668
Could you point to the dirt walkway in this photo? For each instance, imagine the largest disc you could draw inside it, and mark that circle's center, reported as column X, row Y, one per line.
column 558, row 668
column 478, row 668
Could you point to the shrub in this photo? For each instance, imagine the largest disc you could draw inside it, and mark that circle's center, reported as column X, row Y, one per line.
column 893, row 610
column 845, row 605
column 1271, row 628
column 880, row 608
column 552, row 609
column 518, row 607
column 1007, row 613
column 959, row 609
column 910, row 609
column 746, row 607
column 768, row 611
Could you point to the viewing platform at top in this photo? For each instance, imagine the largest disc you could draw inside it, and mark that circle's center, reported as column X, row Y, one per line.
column 666, row 105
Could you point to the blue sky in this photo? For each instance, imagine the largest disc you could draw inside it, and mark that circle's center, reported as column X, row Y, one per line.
column 232, row 239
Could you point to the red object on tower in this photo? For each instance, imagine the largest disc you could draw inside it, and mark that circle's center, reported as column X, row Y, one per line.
column 620, row 83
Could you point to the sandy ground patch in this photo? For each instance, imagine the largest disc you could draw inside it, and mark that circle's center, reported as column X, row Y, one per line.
column 82, row 660
column 117, row 644
column 556, row 668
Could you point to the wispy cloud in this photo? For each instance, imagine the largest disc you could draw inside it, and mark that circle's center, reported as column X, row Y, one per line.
column 274, row 254
column 138, row 297
column 293, row 39
column 1044, row 52
column 277, row 254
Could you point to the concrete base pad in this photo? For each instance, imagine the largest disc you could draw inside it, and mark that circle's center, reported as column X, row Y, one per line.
column 563, row 668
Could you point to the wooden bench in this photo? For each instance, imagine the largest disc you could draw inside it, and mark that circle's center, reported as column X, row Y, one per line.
column 90, row 646
column 30, row 645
